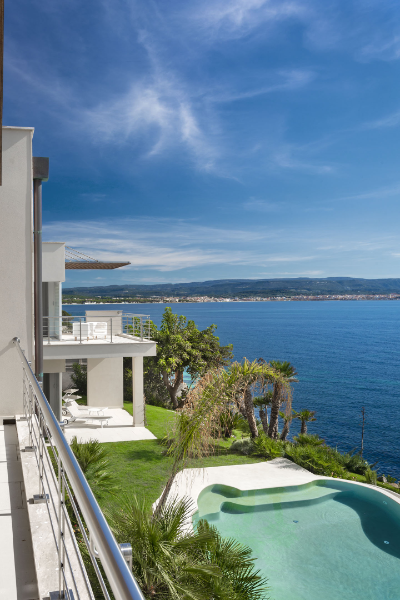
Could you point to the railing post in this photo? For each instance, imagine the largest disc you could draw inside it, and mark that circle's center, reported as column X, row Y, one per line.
column 80, row 330
column 48, row 329
column 111, row 330
column 141, row 328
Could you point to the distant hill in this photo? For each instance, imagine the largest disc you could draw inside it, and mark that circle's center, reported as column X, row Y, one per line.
column 245, row 287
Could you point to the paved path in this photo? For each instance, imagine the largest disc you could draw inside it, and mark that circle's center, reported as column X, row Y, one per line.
column 17, row 567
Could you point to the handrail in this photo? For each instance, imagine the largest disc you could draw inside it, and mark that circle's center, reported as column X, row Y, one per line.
column 121, row 580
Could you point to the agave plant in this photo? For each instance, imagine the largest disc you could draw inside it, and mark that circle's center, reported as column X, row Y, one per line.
column 173, row 561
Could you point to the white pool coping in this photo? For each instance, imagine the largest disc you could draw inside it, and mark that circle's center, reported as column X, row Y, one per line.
column 279, row 472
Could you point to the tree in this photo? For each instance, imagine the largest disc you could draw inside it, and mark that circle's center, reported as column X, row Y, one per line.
column 194, row 432
column 262, row 403
column 305, row 416
column 171, row 561
column 288, row 373
column 287, row 419
column 181, row 346
column 79, row 377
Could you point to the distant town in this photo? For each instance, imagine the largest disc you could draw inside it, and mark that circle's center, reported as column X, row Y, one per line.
column 180, row 299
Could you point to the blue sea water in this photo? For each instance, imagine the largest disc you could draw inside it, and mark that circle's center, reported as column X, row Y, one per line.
column 347, row 355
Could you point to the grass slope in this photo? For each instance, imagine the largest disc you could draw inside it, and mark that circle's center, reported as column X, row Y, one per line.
column 141, row 468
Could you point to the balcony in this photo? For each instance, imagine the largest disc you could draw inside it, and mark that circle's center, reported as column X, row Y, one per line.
column 90, row 335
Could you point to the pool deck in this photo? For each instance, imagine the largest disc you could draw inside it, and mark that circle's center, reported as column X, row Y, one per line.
column 279, row 472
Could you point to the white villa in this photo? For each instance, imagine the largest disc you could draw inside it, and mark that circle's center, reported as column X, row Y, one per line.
column 39, row 557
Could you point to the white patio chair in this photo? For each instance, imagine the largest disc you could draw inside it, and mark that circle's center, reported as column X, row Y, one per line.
column 99, row 330
column 84, row 330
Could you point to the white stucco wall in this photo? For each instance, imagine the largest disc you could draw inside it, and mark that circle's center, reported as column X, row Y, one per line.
column 16, row 264
column 105, row 385
column 53, row 256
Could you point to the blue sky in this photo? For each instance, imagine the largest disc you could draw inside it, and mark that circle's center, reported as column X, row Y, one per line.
column 214, row 139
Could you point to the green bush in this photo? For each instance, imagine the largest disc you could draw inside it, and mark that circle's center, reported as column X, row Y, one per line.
column 320, row 460
column 93, row 460
column 355, row 463
column 371, row 476
column 244, row 446
column 79, row 378
column 268, row 448
column 307, row 439
column 172, row 561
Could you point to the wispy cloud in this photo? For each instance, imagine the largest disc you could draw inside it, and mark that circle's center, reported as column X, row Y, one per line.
column 392, row 120
column 237, row 17
column 263, row 206
column 290, row 156
column 376, row 194
column 147, row 243
column 382, row 49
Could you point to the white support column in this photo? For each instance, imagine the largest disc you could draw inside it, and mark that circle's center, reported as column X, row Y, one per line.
column 105, row 384
column 138, row 395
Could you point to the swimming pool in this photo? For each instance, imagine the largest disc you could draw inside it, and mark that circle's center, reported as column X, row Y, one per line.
column 324, row 540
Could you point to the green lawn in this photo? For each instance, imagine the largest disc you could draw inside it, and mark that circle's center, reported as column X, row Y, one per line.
column 142, row 468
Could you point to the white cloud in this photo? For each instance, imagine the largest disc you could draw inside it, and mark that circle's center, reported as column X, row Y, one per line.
column 235, row 18
column 147, row 244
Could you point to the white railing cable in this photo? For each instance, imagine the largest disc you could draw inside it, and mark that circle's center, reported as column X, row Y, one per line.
column 45, row 432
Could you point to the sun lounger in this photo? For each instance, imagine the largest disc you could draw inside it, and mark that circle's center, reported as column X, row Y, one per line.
column 89, row 409
column 75, row 414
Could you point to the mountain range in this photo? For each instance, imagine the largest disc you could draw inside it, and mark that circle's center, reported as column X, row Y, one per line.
column 239, row 288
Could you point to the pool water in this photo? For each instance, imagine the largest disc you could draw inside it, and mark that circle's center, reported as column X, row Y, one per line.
column 326, row 540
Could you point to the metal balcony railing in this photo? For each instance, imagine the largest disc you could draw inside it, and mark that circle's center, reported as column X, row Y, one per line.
column 61, row 483
column 81, row 329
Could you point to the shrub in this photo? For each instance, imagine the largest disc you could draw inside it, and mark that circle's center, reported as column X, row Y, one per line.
column 228, row 421
column 268, row 448
column 371, row 476
column 307, row 439
column 171, row 561
column 93, row 460
column 320, row 460
column 79, row 377
column 244, row 446
column 355, row 463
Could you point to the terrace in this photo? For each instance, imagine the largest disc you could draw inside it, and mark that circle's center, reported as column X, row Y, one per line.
column 96, row 334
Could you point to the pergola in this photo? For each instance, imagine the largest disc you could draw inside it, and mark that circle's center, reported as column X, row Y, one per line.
column 78, row 260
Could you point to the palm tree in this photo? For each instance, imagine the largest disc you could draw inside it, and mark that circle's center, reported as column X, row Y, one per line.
column 173, row 561
column 287, row 419
column 305, row 416
column 262, row 403
column 288, row 373
column 245, row 376
column 195, row 428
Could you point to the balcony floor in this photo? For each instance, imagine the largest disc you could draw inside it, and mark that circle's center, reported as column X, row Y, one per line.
column 17, row 566
column 116, row 339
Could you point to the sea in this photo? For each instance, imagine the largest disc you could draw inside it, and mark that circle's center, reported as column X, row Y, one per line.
column 346, row 354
